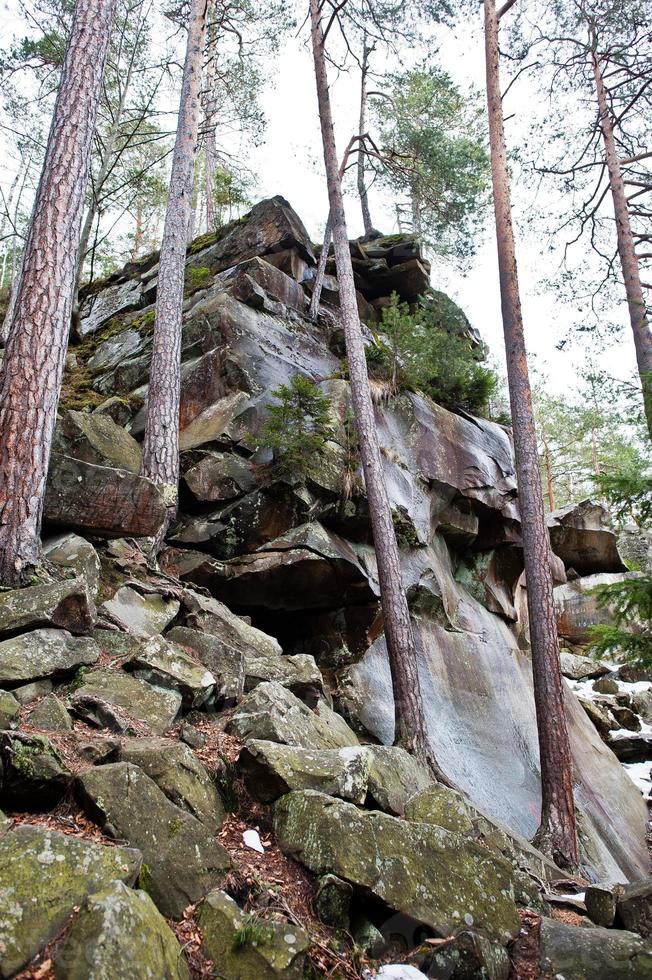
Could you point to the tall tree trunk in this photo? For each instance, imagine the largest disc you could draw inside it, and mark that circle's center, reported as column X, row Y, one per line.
column 139, row 233
column 410, row 724
column 210, row 122
column 549, row 480
column 160, row 461
column 315, row 299
column 362, row 127
column 33, row 366
column 557, row 833
column 626, row 248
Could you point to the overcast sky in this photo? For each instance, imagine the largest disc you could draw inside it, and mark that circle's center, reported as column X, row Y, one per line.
column 289, row 163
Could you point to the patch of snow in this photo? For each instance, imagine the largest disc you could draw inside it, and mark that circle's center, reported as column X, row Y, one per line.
column 398, row 971
column 641, row 775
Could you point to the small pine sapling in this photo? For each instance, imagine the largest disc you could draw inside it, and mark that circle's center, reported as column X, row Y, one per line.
column 298, row 427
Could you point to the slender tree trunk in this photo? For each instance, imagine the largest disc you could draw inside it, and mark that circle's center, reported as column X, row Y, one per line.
column 557, row 833
column 362, row 127
column 139, row 232
column 549, row 481
column 315, row 299
column 5, row 327
column 160, row 461
column 626, row 248
column 210, row 122
column 33, row 367
column 410, row 724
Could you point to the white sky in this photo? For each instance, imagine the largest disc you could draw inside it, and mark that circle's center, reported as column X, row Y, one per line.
column 290, row 163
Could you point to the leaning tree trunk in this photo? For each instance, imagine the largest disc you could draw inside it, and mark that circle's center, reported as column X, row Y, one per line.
column 557, row 833
column 362, row 126
column 160, row 461
column 320, row 272
column 626, row 248
column 34, row 358
column 410, row 723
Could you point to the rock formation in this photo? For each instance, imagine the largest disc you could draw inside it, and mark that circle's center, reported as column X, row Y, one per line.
column 259, row 644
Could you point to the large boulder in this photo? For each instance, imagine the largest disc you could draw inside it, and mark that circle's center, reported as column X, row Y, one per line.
column 50, row 715
column 113, row 689
column 225, row 662
column 243, row 951
column 120, row 932
column 100, row 306
column 74, row 554
column 9, row 708
column 580, row 537
column 142, row 615
column 44, row 653
column 634, row 908
column 43, row 876
column 182, row 860
column 167, row 665
column 95, row 438
column 394, row 776
column 101, row 500
column 274, row 714
column 592, row 954
column 218, row 477
column 177, row 771
column 432, row 875
column 271, row 770
column 68, row 604
column 577, row 609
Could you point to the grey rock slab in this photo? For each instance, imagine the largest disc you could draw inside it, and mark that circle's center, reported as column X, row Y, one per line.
column 177, row 771
column 578, row 668
column 394, row 776
column 43, row 876
column 273, row 713
column 120, row 932
column 224, row 661
column 280, row 950
column 33, row 776
column 141, row 615
column 50, row 715
column 9, row 708
column 71, row 552
column 593, row 954
column 299, row 673
column 634, row 908
column 167, row 665
column 26, row 693
column 153, row 706
column 44, row 653
column 96, row 438
column 68, row 604
column 182, row 859
column 270, row 770
column 433, row 875
column 99, row 307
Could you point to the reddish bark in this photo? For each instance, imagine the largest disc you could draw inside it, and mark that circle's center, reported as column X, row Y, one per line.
column 626, row 248
column 160, row 460
column 410, row 724
column 33, row 367
column 557, row 834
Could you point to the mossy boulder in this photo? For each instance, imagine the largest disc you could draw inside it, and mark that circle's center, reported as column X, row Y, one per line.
column 435, row 876
column 219, row 477
column 223, row 660
column 74, row 555
column 271, row 770
column 9, row 708
column 50, row 715
column 43, row 876
column 394, row 776
column 177, row 771
column 182, row 859
column 95, row 438
column 467, row 956
column 120, row 932
column 273, row 713
column 598, row 954
column 68, row 604
column 44, row 653
column 153, row 706
column 299, row 673
column 167, row 665
column 442, row 806
column 244, row 948
column 32, row 773
column 141, row 615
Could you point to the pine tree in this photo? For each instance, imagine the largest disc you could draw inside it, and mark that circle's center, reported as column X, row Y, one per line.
column 557, row 834
column 38, row 337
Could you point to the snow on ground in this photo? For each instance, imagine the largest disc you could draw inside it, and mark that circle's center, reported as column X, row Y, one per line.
column 641, row 774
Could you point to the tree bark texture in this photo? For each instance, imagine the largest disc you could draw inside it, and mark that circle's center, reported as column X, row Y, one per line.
column 34, row 358
column 557, row 833
column 210, row 122
column 362, row 127
column 410, row 724
column 315, row 299
column 626, row 248
column 160, row 461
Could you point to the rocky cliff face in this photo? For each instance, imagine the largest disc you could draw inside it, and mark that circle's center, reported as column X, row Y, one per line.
column 272, row 589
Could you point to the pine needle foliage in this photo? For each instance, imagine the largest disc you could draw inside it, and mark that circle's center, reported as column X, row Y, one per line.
column 629, row 601
column 298, row 427
column 424, row 354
